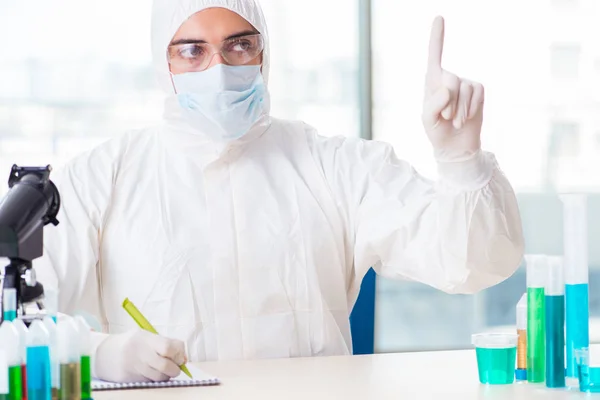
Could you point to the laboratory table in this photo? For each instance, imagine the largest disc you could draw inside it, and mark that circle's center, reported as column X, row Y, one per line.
column 434, row 375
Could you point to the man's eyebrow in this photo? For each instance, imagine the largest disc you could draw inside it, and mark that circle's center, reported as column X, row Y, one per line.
column 201, row 41
column 240, row 34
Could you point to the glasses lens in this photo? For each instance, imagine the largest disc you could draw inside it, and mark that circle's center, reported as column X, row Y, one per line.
column 189, row 57
column 242, row 50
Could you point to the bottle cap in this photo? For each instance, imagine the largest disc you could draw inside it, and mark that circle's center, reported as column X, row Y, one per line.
column 38, row 334
column 22, row 328
column 537, row 270
column 555, row 283
column 85, row 336
column 68, row 341
column 9, row 338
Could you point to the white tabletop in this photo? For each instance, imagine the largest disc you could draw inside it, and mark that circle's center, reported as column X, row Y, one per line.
column 443, row 375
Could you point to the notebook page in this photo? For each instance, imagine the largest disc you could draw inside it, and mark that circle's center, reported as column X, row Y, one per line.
column 199, row 378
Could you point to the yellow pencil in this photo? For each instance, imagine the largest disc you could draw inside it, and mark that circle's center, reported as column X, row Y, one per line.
column 143, row 323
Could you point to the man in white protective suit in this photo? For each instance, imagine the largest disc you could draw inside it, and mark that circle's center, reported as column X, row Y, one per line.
column 241, row 236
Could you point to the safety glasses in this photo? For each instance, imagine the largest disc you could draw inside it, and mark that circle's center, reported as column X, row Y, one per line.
column 197, row 56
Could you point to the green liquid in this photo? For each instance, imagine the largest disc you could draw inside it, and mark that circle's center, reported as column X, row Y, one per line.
column 536, row 335
column 15, row 383
column 86, row 377
column 496, row 366
column 70, row 382
column 4, row 397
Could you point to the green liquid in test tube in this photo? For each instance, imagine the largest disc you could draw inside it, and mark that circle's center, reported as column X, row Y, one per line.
column 85, row 360
column 11, row 370
column 536, row 318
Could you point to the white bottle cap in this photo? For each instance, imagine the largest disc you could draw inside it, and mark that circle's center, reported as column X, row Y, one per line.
column 537, row 270
column 85, row 336
column 38, row 334
column 9, row 301
column 522, row 313
column 555, row 284
column 9, row 340
column 22, row 328
column 68, row 341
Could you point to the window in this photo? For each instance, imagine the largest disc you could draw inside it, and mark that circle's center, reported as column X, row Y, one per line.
column 86, row 79
column 564, row 61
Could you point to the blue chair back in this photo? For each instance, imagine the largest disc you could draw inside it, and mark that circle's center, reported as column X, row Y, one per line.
column 362, row 318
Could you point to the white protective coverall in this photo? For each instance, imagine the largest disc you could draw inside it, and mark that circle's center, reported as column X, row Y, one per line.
column 256, row 248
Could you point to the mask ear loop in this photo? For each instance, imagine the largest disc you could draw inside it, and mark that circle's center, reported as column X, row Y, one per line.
column 171, row 73
column 172, row 82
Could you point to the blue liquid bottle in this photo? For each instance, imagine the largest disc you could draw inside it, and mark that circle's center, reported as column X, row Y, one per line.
column 555, row 324
column 575, row 238
column 39, row 381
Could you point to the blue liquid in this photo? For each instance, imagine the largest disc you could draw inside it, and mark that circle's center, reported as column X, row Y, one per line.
column 10, row 315
column 555, row 341
column 496, row 366
column 39, row 382
column 589, row 379
column 578, row 335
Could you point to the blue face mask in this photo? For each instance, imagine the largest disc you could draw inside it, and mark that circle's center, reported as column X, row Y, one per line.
column 223, row 101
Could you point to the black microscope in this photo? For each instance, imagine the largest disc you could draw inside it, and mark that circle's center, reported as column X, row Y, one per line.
column 31, row 203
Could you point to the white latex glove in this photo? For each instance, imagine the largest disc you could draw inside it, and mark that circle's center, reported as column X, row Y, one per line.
column 139, row 356
column 453, row 107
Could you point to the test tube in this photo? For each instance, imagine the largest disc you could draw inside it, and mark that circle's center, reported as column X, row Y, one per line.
column 70, row 359
column 39, row 382
column 54, row 364
column 20, row 326
column 555, row 324
column 84, row 351
column 9, row 304
column 9, row 341
column 575, row 237
column 4, row 386
column 521, row 372
column 536, row 315
column 51, row 303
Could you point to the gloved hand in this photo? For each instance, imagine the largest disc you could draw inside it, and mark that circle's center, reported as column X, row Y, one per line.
column 139, row 356
column 453, row 107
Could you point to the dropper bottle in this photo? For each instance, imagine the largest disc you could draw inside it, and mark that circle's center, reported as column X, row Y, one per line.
column 20, row 326
column 9, row 343
column 521, row 372
column 39, row 381
column 69, row 358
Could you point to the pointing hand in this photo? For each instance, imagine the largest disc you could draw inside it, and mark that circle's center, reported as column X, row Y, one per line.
column 453, row 107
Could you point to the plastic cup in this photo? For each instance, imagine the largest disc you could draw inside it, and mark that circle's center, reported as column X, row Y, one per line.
column 588, row 375
column 496, row 357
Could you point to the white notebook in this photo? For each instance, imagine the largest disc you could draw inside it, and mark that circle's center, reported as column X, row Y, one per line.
column 200, row 379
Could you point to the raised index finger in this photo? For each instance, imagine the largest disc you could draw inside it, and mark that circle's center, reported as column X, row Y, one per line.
column 436, row 45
